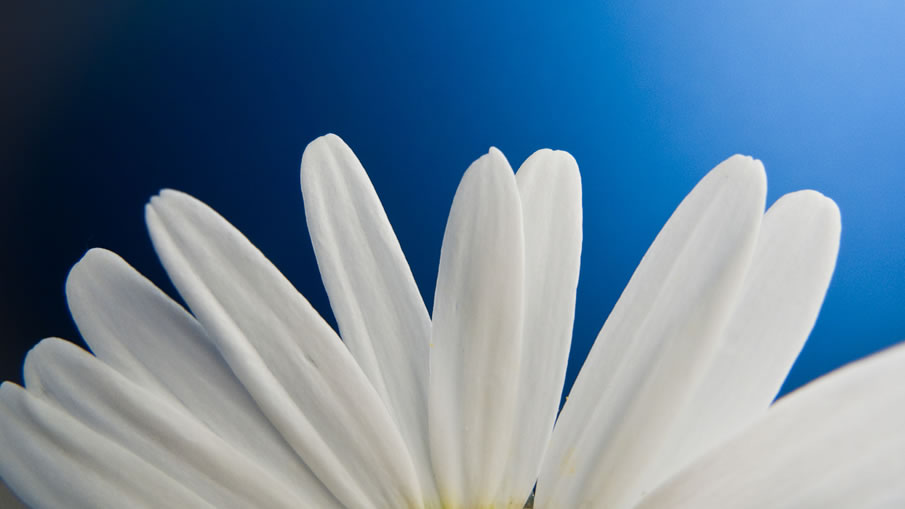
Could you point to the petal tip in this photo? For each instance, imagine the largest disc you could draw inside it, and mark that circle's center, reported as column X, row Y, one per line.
column 496, row 158
column 37, row 356
column 566, row 155
column 159, row 199
column 172, row 200
column 96, row 263
column 95, row 255
column 811, row 197
column 170, row 194
column 8, row 390
column 744, row 164
column 741, row 172
column 819, row 199
column 91, row 257
column 560, row 156
column 327, row 142
column 326, row 154
column 329, row 139
column 814, row 202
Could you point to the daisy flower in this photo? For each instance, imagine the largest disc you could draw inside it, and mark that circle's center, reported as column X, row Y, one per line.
column 252, row 400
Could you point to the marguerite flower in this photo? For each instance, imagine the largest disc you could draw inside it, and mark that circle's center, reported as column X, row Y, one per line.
column 252, row 400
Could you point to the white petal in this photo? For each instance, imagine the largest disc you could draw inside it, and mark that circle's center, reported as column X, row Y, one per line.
column 8, row 499
column 294, row 366
column 134, row 327
column 51, row 460
column 476, row 337
column 649, row 354
column 550, row 190
column 789, row 275
column 838, row 442
column 381, row 316
column 154, row 428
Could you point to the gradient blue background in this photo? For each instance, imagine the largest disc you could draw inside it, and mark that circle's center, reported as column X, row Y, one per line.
column 103, row 105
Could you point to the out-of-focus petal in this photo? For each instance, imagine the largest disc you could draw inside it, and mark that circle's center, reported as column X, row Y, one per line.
column 52, row 460
column 154, row 428
column 838, row 442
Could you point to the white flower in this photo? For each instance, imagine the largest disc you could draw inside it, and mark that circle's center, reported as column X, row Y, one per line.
column 253, row 401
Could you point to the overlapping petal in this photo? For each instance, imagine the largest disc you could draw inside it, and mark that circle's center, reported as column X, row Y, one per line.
column 837, row 442
column 52, row 460
column 294, row 366
column 648, row 357
column 152, row 427
column 255, row 402
column 135, row 328
column 477, row 336
column 784, row 288
column 550, row 191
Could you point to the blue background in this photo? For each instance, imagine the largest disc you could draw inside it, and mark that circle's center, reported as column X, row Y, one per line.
column 103, row 105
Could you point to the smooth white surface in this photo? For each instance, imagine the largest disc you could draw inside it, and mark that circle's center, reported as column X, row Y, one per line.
column 670, row 410
column 836, row 443
column 134, row 327
column 294, row 366
column 784, row 289
column 477, row 333
column 648, row 356
column 154, row 428
column 550, row 191
column 380, row 313
column 52, row 460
